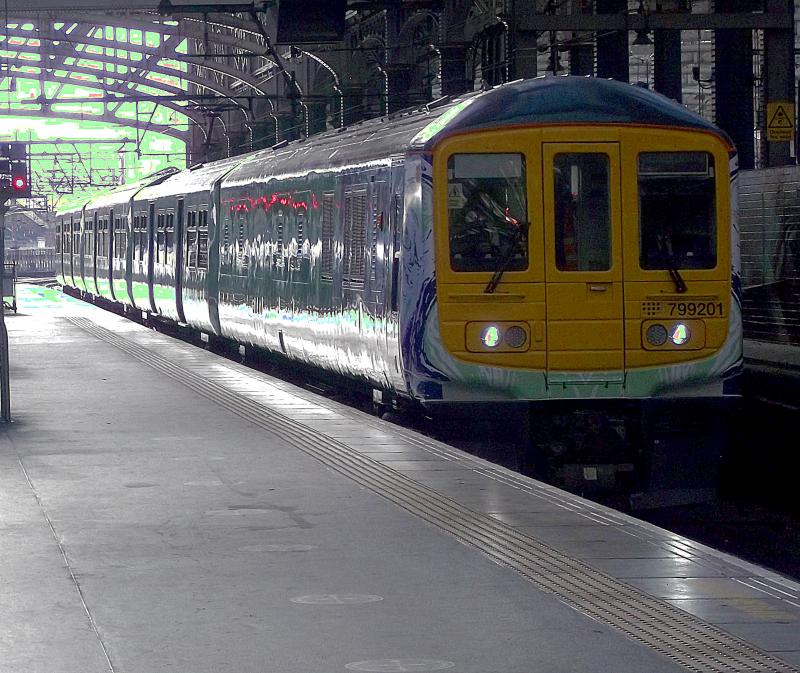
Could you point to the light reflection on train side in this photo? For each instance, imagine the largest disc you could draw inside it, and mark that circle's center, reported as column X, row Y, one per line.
column 249, row 204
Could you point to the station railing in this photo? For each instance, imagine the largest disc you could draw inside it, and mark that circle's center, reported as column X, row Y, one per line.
column 32, row 261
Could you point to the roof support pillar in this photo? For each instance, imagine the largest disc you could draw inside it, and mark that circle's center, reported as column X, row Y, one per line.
column 667, row 63
column 524, row 54
column 779, row 79
column 733, row 50
column 612, row 47
column 581, row 60
column 353, row 97
column 454, row 68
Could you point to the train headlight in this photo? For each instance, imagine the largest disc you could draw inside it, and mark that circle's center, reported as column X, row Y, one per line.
column 679, row 334
column 515, row 336
column 490, row 337
column 656, row 335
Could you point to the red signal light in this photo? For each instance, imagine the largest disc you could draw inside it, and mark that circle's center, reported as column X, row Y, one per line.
column 19, row 183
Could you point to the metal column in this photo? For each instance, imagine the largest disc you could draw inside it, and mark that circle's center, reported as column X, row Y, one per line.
column 612, row 47
column 778, row 76
column 5, row 385
column 667, row 63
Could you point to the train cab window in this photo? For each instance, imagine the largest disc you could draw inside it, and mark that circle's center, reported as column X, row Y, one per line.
column 582, row 212
column 677, row 210
column 487, row 212
column 202, row 239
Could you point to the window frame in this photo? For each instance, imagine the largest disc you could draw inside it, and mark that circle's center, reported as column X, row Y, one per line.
column 712, row 231
column 497, row 259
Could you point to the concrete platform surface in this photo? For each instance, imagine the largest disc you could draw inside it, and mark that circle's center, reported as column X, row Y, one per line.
column 162, row 509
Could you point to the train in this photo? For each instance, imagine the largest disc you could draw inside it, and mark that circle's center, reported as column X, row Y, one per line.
column 565, row 239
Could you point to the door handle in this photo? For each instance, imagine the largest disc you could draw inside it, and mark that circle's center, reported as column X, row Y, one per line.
column 595, row 287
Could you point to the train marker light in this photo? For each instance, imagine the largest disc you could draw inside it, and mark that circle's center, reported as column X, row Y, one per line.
column 491, row 336
column 515, row 336
column 679, row 334
column 656, row 335
column 19, row 183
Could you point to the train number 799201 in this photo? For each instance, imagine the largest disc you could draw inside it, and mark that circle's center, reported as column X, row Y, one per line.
column 713, row 309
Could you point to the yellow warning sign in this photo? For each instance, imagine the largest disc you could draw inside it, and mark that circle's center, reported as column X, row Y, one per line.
column 780, row 121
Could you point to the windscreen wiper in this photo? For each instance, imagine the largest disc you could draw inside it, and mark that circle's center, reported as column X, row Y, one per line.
column 522, row 228
column 680, row 284
column 668, row 255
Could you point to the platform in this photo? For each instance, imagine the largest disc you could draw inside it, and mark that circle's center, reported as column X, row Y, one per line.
column 772, row 373
column 163, row 509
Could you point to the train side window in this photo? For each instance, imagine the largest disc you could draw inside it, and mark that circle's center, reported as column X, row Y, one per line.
column 191, row 239
column 582, row 212
column 326, row 258
column 58, row 239
column 353, row 258
column 137, row 238
column 301, row 202
column 277, row 256
column 677, row 210
column 118, row 245
column 241, row 240
column 169, row 236
column 143, row 237
column 376, row 226
column 161, row 238
column 202, row 240
column 487, row 212
column 301, row 219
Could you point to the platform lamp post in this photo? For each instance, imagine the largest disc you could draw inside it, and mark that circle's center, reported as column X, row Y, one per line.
column 15, row 183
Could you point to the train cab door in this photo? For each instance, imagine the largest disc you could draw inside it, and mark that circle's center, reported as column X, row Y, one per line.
column 583, row 261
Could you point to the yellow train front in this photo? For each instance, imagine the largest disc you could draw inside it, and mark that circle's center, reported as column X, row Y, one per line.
column 573, row 239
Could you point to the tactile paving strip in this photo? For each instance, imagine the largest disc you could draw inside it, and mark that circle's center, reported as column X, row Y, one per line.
column 691, row 642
